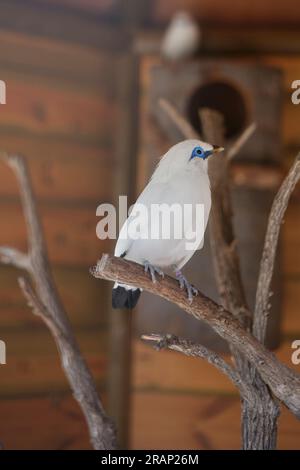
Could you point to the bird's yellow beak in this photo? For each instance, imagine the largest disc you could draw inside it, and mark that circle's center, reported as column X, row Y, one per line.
column 217, row 149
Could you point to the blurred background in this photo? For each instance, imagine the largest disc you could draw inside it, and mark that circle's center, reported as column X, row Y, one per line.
column 82, row 82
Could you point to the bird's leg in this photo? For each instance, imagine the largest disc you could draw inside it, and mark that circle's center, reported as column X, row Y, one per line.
column 152, row 270
column 184, row 284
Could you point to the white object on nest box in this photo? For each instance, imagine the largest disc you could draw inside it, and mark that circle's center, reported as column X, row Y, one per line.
column 182, row 38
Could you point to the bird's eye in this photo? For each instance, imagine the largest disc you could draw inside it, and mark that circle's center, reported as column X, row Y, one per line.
column 198, row 152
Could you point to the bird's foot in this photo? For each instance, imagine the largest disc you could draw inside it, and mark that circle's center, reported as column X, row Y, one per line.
column 184, row 284
column 153, row 270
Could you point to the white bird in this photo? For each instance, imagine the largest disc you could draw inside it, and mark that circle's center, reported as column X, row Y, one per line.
column 180, row 178
column 182, row 38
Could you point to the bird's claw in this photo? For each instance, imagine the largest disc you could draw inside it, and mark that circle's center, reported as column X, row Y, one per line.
column 184, row 284
column 152, row 270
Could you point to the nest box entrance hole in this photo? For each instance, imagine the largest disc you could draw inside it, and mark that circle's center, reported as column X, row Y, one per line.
column 223, row 97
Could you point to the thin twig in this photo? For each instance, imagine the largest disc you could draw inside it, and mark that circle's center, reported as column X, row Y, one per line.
column 240, row 141
column 263, row 293
column 284, row 382
column 14, row 257
column 47, row 303
column 198, row 350
column 180, row 122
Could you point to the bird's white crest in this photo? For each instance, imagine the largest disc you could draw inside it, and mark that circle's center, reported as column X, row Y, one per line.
column 177, row 159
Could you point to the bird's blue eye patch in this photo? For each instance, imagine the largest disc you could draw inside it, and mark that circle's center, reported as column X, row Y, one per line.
column 199, row 152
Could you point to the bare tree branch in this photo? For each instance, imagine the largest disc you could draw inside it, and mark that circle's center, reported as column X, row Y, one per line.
column 284, row 383
column 14, row 257
column 276, row 216
column 240, row 141
column 223, row 242
column 197, row 350
column 39, row 309
column 265, row 413
column 47, row 303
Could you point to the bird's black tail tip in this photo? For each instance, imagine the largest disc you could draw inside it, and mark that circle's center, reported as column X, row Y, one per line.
column 125, row 298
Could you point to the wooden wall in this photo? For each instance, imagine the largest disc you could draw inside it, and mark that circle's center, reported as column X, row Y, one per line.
column 231, row 12
column 63, row 63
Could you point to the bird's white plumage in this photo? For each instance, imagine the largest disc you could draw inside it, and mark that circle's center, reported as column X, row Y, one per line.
column 182, row 37
column 176, row 180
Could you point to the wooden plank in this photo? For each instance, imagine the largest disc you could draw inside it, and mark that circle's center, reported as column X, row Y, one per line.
column 239, row 13
column 34, row 107
column 33, row 366
column 290, row 64
column 70, row 25
column 119, row 376
column 289, row 431
column 56, row 61
column 285, row 351
column 84, row 298
column 244, row 39
column 171, row 372
column 61, row 170
column 165, row 421
column 186, row 403
column 291, row 116
column 234, row 43
column 167, row 370
column 70, row 232
column 291, row 237
column 102, row 7
column 291, row 302
column 256, row 176
column 168, row 421
column 49, row 423
column 38, row 343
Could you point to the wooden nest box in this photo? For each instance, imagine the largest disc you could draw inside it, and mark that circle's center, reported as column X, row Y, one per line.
column 243, row 92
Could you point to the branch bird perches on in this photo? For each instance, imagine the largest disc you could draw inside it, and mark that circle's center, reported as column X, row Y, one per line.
column 284, row 382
